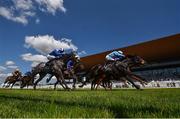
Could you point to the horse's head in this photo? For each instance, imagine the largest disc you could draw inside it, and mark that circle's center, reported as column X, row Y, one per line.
column 74, row 57
column 136, row 60
column 38, row 68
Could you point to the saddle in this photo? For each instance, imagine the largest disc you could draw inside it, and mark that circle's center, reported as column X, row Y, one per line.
column 119, row 63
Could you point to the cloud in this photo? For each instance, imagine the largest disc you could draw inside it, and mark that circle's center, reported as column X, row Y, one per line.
column 82, row 53
column 37, row 21
column 2, row 69
column 51, row 6
column 20, row 10
column 9, row 14
column 9, row 63
column 45, row 44
column 35, row 59
column 5, row 75
column 23, row 4
column 12, row 67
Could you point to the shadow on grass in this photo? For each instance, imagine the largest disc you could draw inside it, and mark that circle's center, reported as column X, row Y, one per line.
column 119, row 110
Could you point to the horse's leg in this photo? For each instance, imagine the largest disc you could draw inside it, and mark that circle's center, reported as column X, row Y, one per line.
column 82, row 85
column 105, row 85
column 125, row 82
column 74, row 81
column 60, row 78
column 8, row 84
column 4, row 83
column 138, row 79
column 110, row 84
column 13, row 84
column 37, row 81
column 55, row 85
column 98, row 82
column 93, row 84
column 48, row 79
column 129, row 79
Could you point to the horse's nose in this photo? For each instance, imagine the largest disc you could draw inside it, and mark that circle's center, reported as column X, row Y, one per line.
column 143, row 62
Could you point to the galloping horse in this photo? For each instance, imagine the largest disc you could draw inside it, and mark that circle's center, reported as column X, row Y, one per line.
column 27, row 80
column 76, row 73
column 12, row 79
column 116, row 71
column 54, row 67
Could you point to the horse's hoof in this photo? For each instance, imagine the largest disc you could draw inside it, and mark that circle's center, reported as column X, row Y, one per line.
column 80, row 86
column 68, row 89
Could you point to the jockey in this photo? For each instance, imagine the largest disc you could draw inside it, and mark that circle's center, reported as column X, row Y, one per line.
column 115, row 56
column 15, row 72
column 70, row 63
column 56, row 53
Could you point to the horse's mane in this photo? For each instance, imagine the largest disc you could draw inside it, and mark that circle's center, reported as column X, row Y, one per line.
column 42, row 63
column 130, row 56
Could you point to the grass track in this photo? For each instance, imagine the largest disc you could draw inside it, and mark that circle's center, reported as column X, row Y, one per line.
column 85, row 103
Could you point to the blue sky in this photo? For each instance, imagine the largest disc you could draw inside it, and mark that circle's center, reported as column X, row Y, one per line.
column 93, row 26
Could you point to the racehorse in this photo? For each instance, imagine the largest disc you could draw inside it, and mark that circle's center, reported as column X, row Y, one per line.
column 12, row 79
column 54, row 67
column 116, row 71
column 77, row 72
column 27, row 80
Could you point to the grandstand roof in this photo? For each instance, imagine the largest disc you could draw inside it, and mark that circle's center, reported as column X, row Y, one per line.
column 160, row 50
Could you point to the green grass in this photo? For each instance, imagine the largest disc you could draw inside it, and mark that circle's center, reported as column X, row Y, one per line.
column 85, row 103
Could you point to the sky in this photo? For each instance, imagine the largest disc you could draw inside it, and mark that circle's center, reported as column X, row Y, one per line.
column 30, row 29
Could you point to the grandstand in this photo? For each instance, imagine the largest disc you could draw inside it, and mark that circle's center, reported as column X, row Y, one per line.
column 162, row 56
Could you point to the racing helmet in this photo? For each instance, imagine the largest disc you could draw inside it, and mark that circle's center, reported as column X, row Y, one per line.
column 120, row 52
column 61, row 50
column 77, row 57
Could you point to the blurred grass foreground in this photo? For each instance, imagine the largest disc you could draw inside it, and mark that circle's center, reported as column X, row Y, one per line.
column 151, row 103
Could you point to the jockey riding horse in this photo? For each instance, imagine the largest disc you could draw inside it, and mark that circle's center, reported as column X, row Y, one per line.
column 16, row 76
column 115, row 70
column 55, row 67
column 121, row 69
